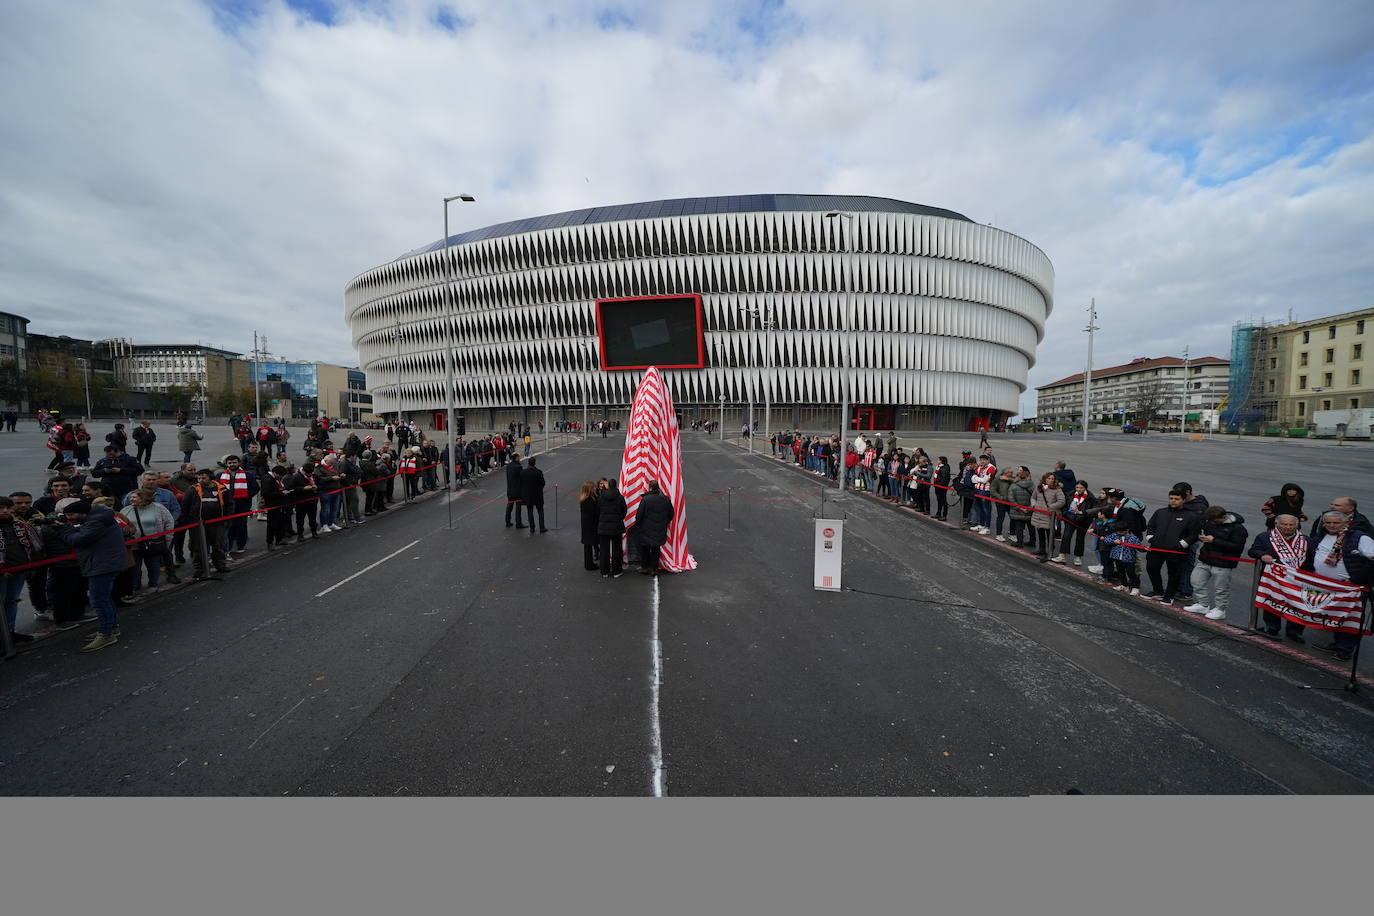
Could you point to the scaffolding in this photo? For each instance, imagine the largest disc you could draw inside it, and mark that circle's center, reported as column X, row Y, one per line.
column 1245, row 393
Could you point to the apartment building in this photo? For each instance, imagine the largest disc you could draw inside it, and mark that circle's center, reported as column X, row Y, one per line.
column 1178, row 388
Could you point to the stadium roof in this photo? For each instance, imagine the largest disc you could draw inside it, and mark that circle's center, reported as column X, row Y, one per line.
column 1138, row 365
column 692, row 206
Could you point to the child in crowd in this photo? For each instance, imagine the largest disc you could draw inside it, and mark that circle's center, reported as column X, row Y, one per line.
column 1124, row 543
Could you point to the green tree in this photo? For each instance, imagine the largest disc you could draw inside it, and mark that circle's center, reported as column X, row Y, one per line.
column 52, row 389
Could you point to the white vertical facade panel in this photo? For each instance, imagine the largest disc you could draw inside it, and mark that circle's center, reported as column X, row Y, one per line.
column 945, row 312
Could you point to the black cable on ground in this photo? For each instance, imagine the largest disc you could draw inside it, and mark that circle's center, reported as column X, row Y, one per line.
column 1080, row 623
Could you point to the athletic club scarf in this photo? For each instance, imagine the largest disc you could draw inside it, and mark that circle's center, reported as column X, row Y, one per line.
column 1289, row 553
column 1334, row 556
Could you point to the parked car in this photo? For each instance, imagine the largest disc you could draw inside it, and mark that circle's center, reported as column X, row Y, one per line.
column 1044, row 427
column 1131, row 428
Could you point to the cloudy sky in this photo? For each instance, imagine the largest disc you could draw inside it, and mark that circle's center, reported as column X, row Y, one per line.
column 175, row 170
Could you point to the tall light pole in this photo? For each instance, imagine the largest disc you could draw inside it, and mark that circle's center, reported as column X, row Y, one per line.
column 1183, row 423
column 722, row 418
column 257, row 378
column 1088, row 373
column 86, row 372
column 587, row 349
column 767, row 324
column 844, row 337
column 448, row 339
column 396, row 336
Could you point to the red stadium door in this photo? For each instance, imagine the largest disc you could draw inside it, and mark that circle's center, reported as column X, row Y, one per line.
column 440, row 420
column 872, row 418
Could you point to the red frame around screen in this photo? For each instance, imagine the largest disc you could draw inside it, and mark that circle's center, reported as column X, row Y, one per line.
column 701, row 332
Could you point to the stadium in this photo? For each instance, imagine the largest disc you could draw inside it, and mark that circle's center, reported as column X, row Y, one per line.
column 915, row 316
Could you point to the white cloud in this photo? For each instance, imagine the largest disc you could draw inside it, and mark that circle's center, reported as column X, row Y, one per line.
column 170, row 171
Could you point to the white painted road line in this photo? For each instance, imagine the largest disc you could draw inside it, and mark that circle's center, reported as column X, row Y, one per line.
column 367, row 568
column 656, row 733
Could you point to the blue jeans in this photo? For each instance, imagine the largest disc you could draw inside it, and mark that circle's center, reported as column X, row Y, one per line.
column 14, row 587
column 329, row 508
column 984, row 510
column 100, row 590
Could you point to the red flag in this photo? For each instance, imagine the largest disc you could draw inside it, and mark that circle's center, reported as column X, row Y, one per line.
column 653, row 452
column 1310, row 599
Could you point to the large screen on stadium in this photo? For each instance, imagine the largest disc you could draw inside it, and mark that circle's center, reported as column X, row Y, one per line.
column 644, row 331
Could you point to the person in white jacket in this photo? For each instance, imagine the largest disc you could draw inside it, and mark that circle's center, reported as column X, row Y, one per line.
column 150, row 523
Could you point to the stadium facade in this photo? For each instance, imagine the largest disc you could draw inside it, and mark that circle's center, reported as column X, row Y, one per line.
column 932, row 318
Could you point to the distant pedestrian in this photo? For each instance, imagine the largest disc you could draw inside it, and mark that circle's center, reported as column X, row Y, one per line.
column 144, row 437
column 188, row 440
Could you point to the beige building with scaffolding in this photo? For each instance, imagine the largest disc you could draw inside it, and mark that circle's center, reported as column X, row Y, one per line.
column 1298, row 368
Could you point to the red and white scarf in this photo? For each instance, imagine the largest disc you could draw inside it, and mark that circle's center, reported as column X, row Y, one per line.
column 1289, row 553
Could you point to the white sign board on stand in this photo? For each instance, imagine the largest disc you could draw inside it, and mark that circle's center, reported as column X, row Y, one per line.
column 829, row 553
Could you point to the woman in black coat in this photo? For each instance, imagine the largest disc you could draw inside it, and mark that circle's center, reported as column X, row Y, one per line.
column 610, row 528
column 590, row 505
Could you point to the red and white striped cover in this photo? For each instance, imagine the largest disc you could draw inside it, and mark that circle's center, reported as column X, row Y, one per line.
column 1310, row 599
column 653, row 451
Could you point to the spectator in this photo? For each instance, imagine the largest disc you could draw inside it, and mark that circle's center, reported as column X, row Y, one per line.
column 1222, row 537
column 1066, row 477
column 1288, row 502
column 302, row 493
column 100, row 552
column 275, row 499
column 1001, row 492
column 117, row 470
column 20, row 543
column 1078, row 516
column 1114, row 505
column 1171, row 533
column 652, row 518
column 82, row 455
column 206, row 501
column 151, row 521
column 240, row 488
column 1341, row 551
column 67, row 587
column 1345, row 505
column 1122, row 543
column 1022, row 492
column 921, row 479
column 610, row 528
column 1281, row 544
column 1196, row 504
column 984, row 473
column 118, row 438
column 1046, row 503
column 188, row 440
column 941, row 484
column 144, row 437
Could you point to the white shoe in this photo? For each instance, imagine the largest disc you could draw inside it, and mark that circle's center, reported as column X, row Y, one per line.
column 1215, row 614
column 1196, row 608
column 1095, row 570
column 1077, row 561
column 1135, row 593
column 1001, row 537
column 1057, row 558
column 1118, row 588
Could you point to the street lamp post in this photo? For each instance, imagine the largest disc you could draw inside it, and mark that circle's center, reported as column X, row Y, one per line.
column 448, row 340
column 844, row 337
column 396, row 335
column 722, row 418
column 1088, row 372
column 257, row 378
column 587, row 349
column 767, row 325
column 86, row 374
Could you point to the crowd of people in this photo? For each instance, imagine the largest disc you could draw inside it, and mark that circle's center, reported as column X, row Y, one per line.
column 104, row 534
column 1186, row 548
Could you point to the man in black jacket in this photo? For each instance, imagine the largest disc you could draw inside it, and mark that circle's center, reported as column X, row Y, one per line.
column 118, row 471
column 532, row 494
column 610, row 527
column 513, row 488
column 1346, row 506
column 144, row 437
column 1173, row 529
column 652, row 519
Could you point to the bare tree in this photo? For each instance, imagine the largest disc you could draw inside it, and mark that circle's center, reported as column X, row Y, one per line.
column 1149, row 403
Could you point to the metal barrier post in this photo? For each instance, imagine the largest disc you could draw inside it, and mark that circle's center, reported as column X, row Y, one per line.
column 1354, row 685
column 1254, row 590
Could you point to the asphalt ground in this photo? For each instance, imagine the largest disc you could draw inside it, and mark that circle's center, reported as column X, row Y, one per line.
column 481, row 660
